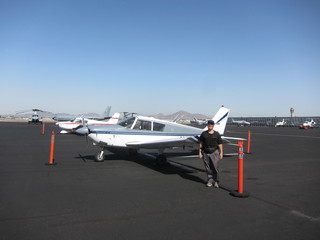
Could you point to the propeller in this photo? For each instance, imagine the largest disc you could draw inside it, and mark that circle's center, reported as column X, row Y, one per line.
column 31, row 110
column 83, row 129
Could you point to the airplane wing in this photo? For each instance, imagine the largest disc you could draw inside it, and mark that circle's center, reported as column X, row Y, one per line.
column 226, row 140
column 233, row 138
column 165, row 143
column 173, row 142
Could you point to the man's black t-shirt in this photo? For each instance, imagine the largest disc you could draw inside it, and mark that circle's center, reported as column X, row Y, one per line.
column 210, row 140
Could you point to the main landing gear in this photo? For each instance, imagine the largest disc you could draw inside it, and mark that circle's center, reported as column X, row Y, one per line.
column 161, row 160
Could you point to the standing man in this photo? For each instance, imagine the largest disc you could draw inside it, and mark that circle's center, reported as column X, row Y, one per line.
column 211, row 151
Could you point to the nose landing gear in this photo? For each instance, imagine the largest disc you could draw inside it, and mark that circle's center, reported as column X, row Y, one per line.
column 99, row 157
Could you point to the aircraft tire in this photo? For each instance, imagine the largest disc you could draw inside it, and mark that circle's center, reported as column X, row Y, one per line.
column 98, row 157
column 133, row 153
column 161, row 160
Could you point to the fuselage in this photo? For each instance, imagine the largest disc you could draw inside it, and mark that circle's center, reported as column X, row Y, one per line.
column 78, row 122
column 151, row 133
column 140, row 129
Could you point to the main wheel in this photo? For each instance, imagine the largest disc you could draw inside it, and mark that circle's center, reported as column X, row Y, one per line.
column 161, row 160
column 99, row 157
column 133, row 153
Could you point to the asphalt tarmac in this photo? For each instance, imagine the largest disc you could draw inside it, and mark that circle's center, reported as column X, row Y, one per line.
column 131, row 198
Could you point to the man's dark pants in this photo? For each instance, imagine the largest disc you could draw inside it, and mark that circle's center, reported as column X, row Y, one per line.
column 211, row 162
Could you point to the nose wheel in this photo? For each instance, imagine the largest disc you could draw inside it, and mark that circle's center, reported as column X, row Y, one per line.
column 99, row 157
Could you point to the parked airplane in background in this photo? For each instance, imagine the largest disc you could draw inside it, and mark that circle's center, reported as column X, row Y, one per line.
column 197, row 122
column 309, row 124
column 150, row 133
column 240, row 122
column 103, row 116
column 35, row 118
column 281, row 123
column 71, row 126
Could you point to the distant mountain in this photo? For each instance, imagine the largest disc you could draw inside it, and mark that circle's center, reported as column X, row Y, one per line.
column 180, row 115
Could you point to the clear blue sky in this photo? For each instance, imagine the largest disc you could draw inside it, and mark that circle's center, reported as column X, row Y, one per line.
column 258, row 58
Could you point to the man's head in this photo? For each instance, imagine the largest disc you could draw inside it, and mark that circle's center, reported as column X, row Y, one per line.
column 210, row 124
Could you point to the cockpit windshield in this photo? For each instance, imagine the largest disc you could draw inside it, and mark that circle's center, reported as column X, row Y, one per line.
column 142, row 124
column 127, row 122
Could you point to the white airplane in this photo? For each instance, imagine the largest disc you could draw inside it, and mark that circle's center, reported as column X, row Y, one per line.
column 141, row 132
column 281, row 123
column 71, row 126
column 309, row 124
column 105, row 115
column 197, row 122
column 241, row 122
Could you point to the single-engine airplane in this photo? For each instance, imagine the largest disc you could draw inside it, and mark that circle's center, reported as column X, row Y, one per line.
column 196, row 122
column 308, row 124
column 71, row 126
column 141, row 132
column 281, row 123
column 105, row 115
column 240, row 122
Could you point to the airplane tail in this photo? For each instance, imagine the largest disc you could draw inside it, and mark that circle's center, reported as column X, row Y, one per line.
column 220, row 119
column 114, row 119
column 106, row 113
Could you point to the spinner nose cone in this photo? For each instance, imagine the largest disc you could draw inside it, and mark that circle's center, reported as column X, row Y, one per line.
column 82, row 131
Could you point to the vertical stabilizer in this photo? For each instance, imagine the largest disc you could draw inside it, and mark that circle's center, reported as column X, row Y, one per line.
column 106, row 113
column 221, row 119
column 114, row 119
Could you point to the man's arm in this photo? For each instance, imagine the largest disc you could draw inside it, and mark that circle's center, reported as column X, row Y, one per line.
column 220, row 146
column 200, row 150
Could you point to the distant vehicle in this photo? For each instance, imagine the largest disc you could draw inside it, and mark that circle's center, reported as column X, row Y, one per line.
column 150, row 133
column 35, row 118
column 281, row 123
column 196, row 122
column 71, row 126
column 240, row 122
column 105, row 115
column 308, row 124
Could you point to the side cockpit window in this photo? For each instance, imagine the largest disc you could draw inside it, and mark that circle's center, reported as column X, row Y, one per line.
column 158, row 126
column 142, row 125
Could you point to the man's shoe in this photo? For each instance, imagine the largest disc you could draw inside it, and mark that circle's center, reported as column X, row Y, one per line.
column 216, row 185
column 209, row 184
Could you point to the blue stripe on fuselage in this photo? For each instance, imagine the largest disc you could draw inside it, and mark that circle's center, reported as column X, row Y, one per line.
column 151, row 133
